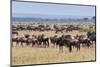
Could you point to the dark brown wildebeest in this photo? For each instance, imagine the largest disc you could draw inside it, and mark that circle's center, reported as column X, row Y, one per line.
column 70, row 42
column 92, row 36
column 53, row 40
column 84, row 41
column 65, row 40
column 43, row 40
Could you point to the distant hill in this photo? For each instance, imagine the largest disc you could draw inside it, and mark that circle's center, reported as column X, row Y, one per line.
column 30, row 19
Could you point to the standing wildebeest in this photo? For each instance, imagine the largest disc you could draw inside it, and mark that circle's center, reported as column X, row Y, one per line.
column 92, row 36
column 84, row 40
column 24, row 40
column 53, row 40
column 65, row 40
column 43, row 40
column 18, row 40
column 28, row 40
column 34, row 40
column 14, row 37
column 70, row 42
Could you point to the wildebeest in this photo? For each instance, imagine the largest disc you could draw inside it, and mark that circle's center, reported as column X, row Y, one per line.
column 84, row 41
column 43, row 40
column 65, row 40
column 70, row 42
column 54, row 40
column 92, row 36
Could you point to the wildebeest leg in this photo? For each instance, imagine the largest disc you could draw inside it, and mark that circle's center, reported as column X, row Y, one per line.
column 47, row 43
column 94, row 42
column 17, row 43
column 91, row 42
column 70, row 48
column 54, row 45
column 22, row 44
column 83, row 44
column 33, row 43
column 78, row 47
column 44, row 44
column 30, row 43
column 61, row 49
column 12, row 44
column 39, row 44
column 27, row 43
column 88, row 44
column 36, row 43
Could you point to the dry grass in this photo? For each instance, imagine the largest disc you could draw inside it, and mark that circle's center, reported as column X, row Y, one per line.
column 31, row 55
column 51, row 33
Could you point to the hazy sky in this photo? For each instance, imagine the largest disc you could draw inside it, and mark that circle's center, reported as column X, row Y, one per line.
column 51, row 9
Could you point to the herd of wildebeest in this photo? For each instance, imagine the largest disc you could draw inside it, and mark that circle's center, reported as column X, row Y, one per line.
column 43, row 41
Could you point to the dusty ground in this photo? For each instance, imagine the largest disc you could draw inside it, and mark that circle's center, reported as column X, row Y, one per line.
column 32, row 55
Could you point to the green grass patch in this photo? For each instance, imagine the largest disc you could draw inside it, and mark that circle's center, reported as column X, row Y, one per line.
column 87, row 30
